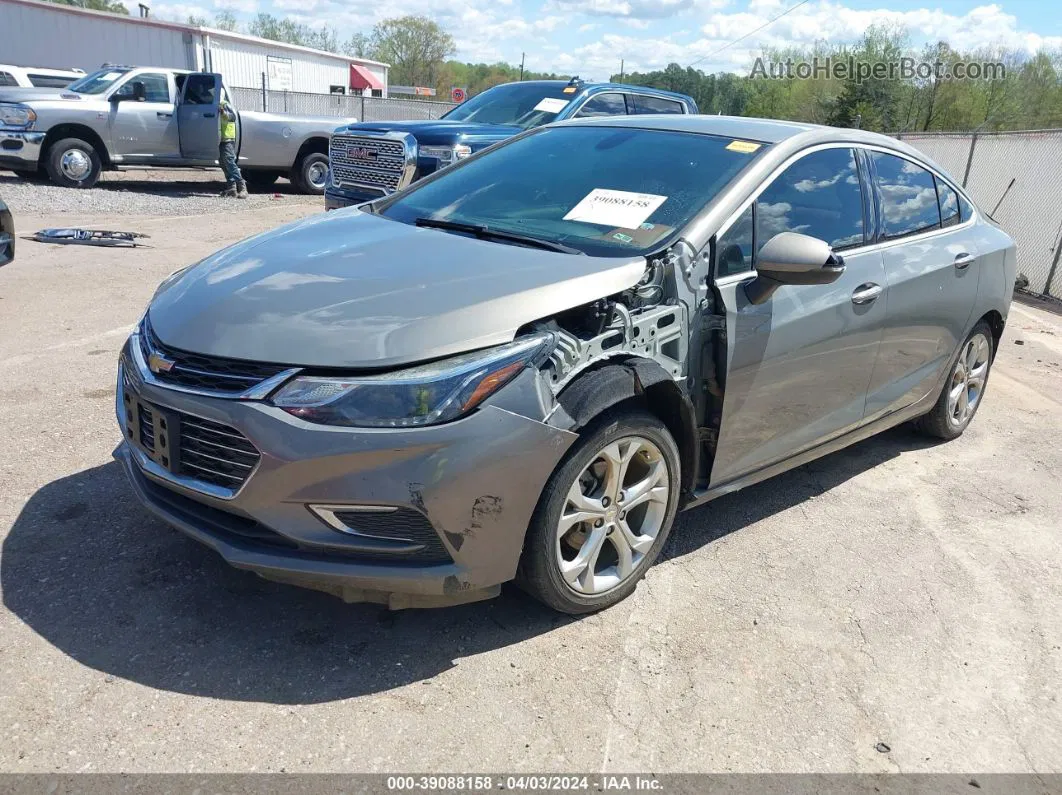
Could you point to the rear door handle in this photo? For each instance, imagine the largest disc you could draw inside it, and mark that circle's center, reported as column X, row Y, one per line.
column 866, row 293
column 162, row 115
column 962, row 261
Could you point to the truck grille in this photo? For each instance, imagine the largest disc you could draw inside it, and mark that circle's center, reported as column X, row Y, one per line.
column 365, row 161
column 195, row 371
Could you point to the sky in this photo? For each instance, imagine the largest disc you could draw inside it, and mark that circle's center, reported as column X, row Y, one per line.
column 590, row 37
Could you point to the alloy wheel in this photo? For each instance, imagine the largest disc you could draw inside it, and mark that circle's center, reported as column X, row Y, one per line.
column 612, row 515
column 967, row 382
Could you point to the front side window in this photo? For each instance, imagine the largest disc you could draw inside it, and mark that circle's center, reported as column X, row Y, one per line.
column 606, row 191
column 97, row 82
column 200, row 90
column 156, row 87
column 949, row 204
column 523, row 105
column 645, row 104
column 603, row 105
column 819, row 195
column 908, row 196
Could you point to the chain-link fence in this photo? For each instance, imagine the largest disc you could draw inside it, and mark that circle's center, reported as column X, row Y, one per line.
column 1013, row 176
column 342, row 106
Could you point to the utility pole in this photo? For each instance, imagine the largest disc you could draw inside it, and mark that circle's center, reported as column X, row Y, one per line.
column 621, row 70
column 522, row 56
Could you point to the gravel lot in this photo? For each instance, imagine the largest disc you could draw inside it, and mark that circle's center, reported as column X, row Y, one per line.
column 895, row 606
column 185, row 191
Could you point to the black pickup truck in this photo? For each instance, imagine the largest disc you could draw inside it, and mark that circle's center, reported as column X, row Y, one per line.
column 373, row 159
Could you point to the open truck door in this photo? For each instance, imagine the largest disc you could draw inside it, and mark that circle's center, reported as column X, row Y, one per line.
column 197, row 116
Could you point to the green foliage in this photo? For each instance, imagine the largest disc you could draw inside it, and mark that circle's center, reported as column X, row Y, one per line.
column 414, row 46
column 96, row 5
column 267, row 26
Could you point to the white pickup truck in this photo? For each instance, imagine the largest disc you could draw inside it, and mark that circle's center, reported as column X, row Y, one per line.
column 147, row 116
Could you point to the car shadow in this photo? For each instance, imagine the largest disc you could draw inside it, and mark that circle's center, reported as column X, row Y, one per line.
column 95, row 575
column 172, row 186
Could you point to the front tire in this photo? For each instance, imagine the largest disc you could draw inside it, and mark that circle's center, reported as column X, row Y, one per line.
column 310, row 174
column 604, row 514
column 73, row 163
column 961, row 396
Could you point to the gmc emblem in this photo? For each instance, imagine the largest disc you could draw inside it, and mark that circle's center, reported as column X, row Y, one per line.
column 362, row 153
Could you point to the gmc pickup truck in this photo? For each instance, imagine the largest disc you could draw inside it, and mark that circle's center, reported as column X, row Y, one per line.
column 146, row 116
column 374, row 159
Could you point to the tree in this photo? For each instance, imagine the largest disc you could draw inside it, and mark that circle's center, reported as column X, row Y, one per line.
column 267, row 26
column 225, row 20
column 96, row 5
column 415, row 46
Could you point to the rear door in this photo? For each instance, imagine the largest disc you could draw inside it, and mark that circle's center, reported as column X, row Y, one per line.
column 197, row 116
column 799, row 364
column 932, row 265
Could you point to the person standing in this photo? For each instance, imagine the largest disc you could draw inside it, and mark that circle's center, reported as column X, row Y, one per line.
column 236, row 186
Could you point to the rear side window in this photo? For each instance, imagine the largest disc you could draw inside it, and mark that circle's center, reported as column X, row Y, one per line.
column 49, row 81
column 7, row 79
column 604, row 105
column 819, row 195
column 908, row 196
column 644, row 104
column 948, row 200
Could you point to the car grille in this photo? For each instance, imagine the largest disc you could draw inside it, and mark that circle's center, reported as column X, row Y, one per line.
column 367, row 162
column 196, row 371
column 403, row 524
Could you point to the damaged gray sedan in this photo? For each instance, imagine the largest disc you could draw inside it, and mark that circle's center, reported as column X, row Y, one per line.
column 523, row 366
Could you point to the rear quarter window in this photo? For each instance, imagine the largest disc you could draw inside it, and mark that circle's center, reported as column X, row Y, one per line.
column 7, row 79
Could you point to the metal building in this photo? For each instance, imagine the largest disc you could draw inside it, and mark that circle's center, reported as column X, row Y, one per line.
column 57, row 36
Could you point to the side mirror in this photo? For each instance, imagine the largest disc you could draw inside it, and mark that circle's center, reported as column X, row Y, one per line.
column 792, row 258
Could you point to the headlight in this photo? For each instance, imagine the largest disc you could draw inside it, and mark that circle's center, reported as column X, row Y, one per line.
column 424, row 395
column 446, row 154
column 16, row 115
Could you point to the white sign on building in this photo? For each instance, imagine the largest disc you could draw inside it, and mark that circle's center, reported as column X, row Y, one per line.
column 278, row 73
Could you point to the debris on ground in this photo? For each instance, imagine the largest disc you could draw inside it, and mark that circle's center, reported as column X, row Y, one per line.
column 89, row 237
column 882, row 748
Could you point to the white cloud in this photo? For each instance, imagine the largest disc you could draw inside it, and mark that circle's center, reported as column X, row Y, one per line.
column 244, row 6
column 179, row 12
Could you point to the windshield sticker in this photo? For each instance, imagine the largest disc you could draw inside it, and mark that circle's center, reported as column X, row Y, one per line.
column 569, row 90
column 621, row 237
column 615, row 208
column 745, row 147
column 551, row 105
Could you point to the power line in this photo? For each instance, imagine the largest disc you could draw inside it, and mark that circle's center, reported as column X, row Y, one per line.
column 789, row 10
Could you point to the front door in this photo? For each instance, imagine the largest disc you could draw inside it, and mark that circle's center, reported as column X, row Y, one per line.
column 197, row 117
column 141, row 120
column 932, row 264
column 798, row 365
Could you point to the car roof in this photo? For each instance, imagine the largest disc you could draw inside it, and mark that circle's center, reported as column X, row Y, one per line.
column 763, row 130
column 41, row 70
column 590, row 85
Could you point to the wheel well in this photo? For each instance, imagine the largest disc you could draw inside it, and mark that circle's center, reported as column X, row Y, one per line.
column 317, row 144
column 87, row 134
column 637, row 383
column 996, row 323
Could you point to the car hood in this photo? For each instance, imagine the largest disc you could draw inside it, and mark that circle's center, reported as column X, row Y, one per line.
column 25, row 94
column 349, row 289
column 440, row 129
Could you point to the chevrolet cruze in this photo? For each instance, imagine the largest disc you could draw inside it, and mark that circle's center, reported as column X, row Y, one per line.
column 523, row 366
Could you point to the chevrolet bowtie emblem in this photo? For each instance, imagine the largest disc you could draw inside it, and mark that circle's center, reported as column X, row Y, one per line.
column 157, row 363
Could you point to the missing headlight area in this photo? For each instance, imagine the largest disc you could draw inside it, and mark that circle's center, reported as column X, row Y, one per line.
column 658, row 333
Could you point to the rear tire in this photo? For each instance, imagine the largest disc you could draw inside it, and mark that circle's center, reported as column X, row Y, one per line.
column 73, row 163
column 962, row 393
column 260, row 181
column 623, row 476
column 310, row 174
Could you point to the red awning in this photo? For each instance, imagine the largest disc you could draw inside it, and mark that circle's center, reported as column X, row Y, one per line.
column 361, row 78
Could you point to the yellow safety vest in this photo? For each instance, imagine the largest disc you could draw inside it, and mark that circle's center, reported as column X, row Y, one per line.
column 226, row 122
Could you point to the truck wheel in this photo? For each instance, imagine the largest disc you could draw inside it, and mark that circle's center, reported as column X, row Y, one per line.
column 310, row 174
column 73, row 163
column 259, row 181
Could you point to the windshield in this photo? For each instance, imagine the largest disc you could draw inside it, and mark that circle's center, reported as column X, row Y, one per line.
column 97, row 82
column 606, row 191
column 523, row 105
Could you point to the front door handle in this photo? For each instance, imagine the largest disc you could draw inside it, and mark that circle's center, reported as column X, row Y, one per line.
column 962, row 261
column 208, row 115
column 867, row 293
column 161, row 115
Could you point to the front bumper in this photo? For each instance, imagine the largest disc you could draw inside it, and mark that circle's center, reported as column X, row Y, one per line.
column 338, row 198
column 477, row 480
column 19, row 149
